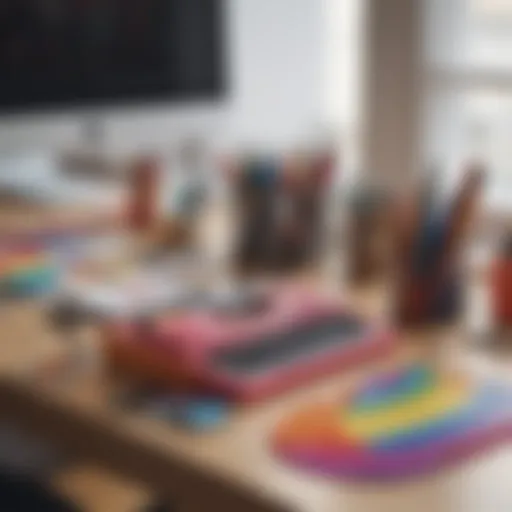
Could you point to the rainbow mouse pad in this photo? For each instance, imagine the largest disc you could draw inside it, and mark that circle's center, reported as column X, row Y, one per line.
column 406, row 422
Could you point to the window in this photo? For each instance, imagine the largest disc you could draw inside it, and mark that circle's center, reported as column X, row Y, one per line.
column 469, row 101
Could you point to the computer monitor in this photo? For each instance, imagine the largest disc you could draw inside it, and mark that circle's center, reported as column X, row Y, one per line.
column 62, row 54
column 104, row 76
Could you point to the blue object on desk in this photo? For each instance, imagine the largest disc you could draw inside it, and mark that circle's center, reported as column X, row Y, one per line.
column 203, row 414
column 262, row 173
column 448, row 302
column 430, row 244
column 35, row 283
column 198, row 413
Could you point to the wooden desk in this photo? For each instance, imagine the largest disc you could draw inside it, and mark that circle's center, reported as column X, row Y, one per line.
column 232, row 470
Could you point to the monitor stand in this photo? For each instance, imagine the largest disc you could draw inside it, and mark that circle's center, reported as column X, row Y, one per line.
column 91, row 158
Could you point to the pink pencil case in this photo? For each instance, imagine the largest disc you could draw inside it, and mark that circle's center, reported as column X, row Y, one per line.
column 296, row 337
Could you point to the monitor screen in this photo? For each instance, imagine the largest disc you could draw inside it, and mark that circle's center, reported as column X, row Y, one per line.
column 68, row 53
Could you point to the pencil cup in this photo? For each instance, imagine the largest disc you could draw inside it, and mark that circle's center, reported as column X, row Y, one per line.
column 429, row 299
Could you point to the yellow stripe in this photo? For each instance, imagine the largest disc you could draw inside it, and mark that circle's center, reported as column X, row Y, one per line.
column 443, row 398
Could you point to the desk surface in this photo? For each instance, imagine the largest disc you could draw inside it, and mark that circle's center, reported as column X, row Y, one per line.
column 235, row 459
column 234, row 466
column 19, row 216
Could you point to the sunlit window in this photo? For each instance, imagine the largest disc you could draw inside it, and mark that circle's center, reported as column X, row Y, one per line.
column 469, row 66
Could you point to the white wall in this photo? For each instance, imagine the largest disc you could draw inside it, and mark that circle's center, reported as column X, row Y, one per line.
column 276, row 97
column 344, row 65
column 277, row 62
column 343, row 61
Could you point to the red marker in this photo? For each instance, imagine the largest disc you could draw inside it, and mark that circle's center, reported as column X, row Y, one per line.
column 143, row 199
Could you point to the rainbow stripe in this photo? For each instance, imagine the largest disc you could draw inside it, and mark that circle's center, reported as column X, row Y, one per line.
column 27, row 273
column 399, row 424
